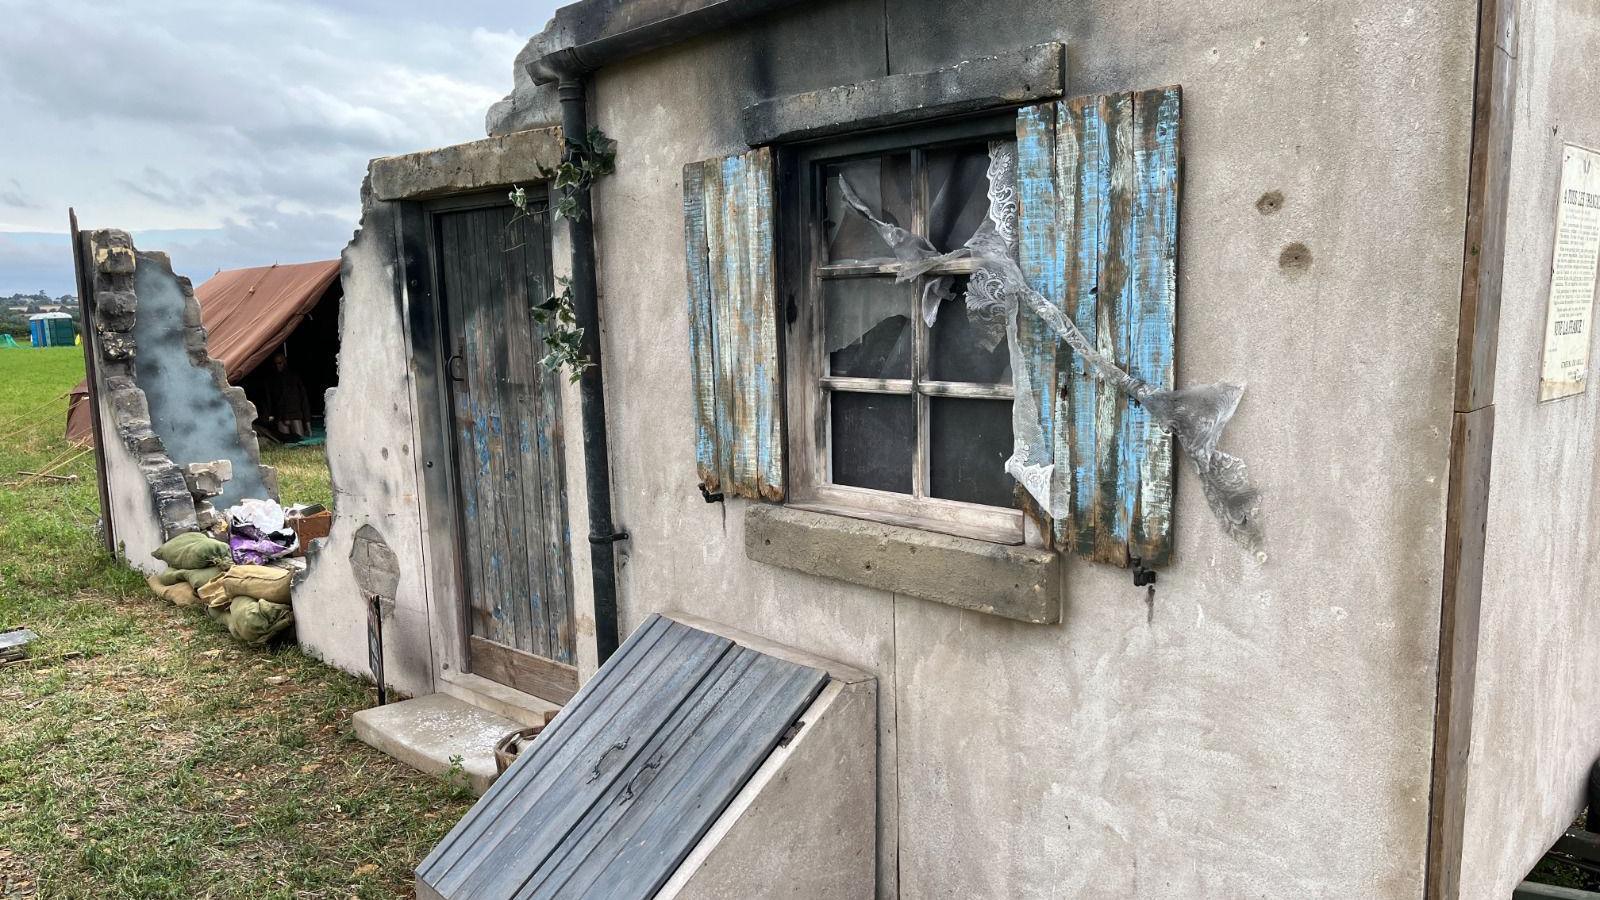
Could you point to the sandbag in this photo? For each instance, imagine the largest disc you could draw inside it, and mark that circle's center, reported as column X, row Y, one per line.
column 170, row 576
column 178, row 593
column 256, row 622
column 260, row 582
column 198, row 578
column 214, row 595
column 192, row 550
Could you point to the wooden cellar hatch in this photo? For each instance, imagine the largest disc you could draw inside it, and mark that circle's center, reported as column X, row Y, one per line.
column 622, row 786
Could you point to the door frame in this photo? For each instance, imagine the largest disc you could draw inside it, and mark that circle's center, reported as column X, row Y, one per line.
column 402, row 187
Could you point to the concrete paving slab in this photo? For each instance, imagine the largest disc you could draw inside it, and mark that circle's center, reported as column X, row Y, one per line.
column 426, row 733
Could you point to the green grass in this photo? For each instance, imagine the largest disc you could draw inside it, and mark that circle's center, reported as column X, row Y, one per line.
column 302, row 474
column 168, row 761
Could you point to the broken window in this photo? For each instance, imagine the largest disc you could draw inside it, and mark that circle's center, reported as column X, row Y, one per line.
column 911, row 406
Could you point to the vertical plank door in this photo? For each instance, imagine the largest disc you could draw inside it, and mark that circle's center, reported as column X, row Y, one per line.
column 493, row 265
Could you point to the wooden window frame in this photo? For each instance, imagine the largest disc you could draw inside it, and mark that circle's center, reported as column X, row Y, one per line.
column 802, row 271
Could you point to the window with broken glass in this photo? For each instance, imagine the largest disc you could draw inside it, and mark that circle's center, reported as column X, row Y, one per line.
column 899, row 411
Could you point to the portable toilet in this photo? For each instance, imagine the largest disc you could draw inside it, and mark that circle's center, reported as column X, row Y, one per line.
column 54, row 329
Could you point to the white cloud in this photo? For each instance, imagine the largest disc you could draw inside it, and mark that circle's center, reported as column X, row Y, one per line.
column 253, row 120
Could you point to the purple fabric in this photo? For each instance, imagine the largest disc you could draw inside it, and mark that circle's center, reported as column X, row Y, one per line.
column 251, row 547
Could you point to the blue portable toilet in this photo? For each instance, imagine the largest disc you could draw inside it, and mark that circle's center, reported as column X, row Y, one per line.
column 53, row 329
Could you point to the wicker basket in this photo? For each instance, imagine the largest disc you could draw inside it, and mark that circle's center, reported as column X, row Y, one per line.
column 507, row 748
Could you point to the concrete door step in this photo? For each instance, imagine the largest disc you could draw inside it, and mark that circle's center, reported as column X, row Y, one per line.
column 426, row 733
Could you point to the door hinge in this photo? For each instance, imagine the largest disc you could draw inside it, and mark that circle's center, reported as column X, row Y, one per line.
column 790, row 732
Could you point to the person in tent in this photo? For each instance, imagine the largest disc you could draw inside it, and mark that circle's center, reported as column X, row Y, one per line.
column 282, row 405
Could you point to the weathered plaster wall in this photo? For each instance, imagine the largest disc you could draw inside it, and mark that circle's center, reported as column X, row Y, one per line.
column 1269, row 732
column 133, row 514
column 1536, row 716
column 371, row 460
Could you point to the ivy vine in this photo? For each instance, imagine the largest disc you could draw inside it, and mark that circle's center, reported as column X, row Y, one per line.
column 562, row 335
column 588, row 157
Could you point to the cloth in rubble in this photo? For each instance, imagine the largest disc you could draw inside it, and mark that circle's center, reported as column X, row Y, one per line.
column 249, row 546
column 259, row 532
column 192, row 550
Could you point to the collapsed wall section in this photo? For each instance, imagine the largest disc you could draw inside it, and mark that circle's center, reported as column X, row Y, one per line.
column 169, row 403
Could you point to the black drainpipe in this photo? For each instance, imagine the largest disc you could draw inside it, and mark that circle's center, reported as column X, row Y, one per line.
column 591, row 387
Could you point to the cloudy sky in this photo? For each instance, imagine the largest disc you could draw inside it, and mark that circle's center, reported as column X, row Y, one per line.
column 228, row 132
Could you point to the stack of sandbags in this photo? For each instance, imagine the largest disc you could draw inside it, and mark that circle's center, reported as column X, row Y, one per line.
column 251, row 600
column 193, row 560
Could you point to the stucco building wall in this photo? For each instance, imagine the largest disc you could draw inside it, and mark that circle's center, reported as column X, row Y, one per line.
column 1536, row 716
column 371, row 459
column 1269, row 731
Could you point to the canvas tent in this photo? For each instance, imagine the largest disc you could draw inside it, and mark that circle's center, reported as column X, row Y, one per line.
column 250, row 313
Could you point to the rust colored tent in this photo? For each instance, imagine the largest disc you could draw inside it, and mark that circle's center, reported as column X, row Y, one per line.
column 248, row 314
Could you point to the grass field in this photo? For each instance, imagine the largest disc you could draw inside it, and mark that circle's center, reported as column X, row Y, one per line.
column 167, row 760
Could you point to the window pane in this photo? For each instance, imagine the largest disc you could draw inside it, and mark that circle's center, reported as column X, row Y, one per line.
column 874, row 440
column 885, row 185
column 971, row 440
column 867, row 327
column 958, row 194
column 955, row 346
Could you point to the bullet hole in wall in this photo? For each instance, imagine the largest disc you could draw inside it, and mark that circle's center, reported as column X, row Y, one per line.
column 1270, row 202
column 1295, row 257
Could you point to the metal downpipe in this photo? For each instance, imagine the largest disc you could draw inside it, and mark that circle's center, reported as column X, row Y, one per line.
column 591, row 389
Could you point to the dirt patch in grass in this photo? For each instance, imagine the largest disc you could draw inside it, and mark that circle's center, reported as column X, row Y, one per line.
column 168, row 760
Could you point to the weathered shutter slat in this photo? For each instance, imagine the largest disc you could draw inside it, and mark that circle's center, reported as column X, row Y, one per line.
column 1098, row 194
column 733, row 324
column 1155, row 264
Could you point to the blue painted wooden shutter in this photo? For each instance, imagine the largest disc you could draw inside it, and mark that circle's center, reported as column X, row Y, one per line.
column 1098, row 181
column 733, row 324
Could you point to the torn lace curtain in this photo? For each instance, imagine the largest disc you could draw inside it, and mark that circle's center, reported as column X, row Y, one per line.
column 996, row 292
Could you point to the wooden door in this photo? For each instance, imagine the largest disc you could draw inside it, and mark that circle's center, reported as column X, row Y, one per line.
column 493, row 265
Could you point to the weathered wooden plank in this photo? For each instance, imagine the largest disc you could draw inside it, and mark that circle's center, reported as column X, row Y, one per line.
column 1087, row 170
column 528, row 378
column 765, row 367
column 1041, row 231
column 702, row 352
column 1157, row 122
column 558, row 604
column 461, row 339
column 543, row 487
column 483, row 368
column 532, row 674
column 1466, row 522
column 1113, row 311
column 508, row 303
column 722, row 359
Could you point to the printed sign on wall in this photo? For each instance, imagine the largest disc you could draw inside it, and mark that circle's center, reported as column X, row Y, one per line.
column 1572, row 276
